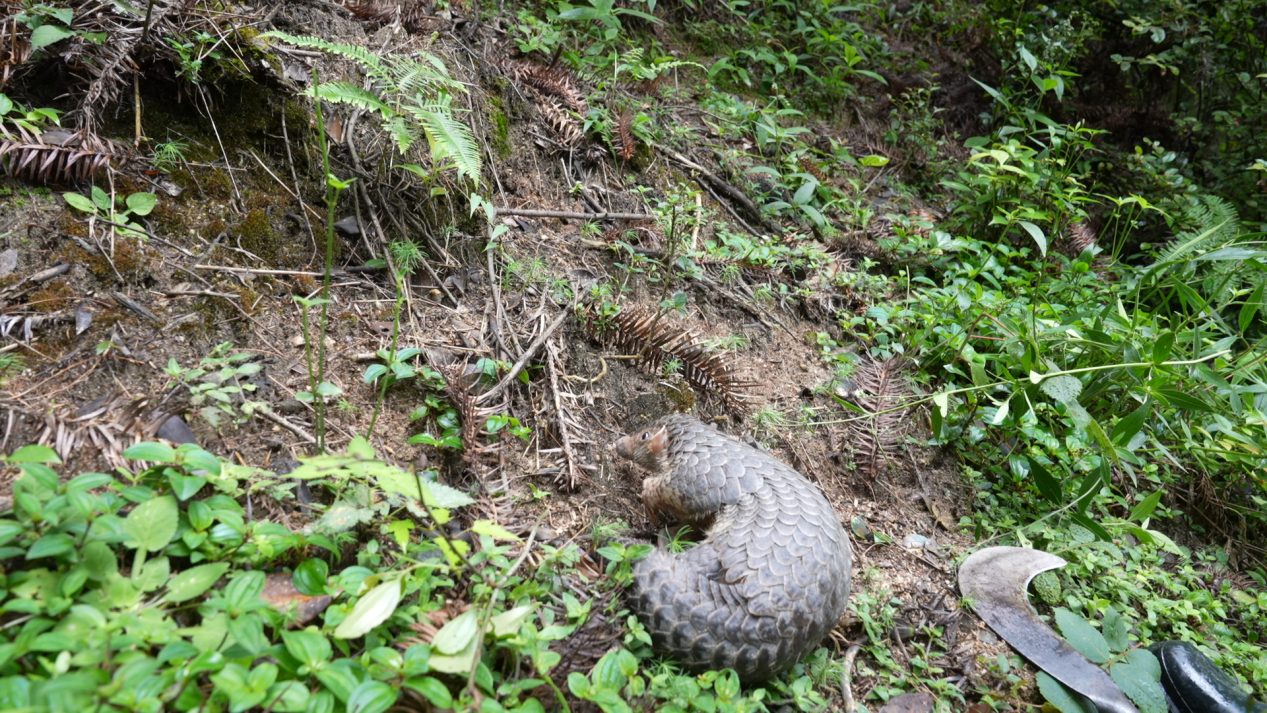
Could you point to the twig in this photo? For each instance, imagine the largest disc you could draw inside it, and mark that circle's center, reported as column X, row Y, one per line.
column 565, row 440
column 572, row 215
column 307, row 437
column 725, row 187
column 845, row 690
column 148, row 234
column 255, row 271
column 519, row 365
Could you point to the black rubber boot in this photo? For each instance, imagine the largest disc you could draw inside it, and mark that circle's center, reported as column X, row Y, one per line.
column 1194, row 684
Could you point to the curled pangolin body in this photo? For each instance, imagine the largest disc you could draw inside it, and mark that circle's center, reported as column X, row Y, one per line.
column 771, row 577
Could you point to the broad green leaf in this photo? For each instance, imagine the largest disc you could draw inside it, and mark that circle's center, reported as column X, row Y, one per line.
column 1116, row 631
column 1082, row 636
column 45, row 35
column 1046, row 484
column 1163, row 346
column 78, row 202
column 1001, row 413
column 9, row 530
column 1065, row 700
column 358, row 447
column 493, row 530
column 371, row 697
column 309, row 646
column 50, row 546
column 141, row 203
column 194, row 581
column 433, row 690
column 151, row 451
column 1064, row 388
column 508, row 622
column 1145, row 508
column 34, row 453
column 152, row 524
column 1036, row 233
column 1139, row 677
column 457, row 634
column 343, row 516
column 371, row 610
column 101, row 199
column 942, row 400
column 373, row 371
column 310, row 577
column 460, row 662
column 1126, row 428
column 874, row 160
column 154, row 574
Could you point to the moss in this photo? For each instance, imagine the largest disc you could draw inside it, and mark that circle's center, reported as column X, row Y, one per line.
column 212, row 229
column 67, row 223
column 57, row 295
column 216, row 184
column 256, row 235
column 501, row 126
column 170, row 219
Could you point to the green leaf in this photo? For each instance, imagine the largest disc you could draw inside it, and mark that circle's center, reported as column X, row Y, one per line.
column 433, row 690
column 358, row 447
column 1126, row 428
column 874, row 160
column 1062, row 698
column 50, row 546
column 1095, row 527
column 1064, row 388
column 1180, row 400
column 78, row 202
column 45, row 35
column 310, row 647
column 99, row 560
column 1116, row 631
column 1082, row 636
column 1036, row 233
column 508, row 622
column 371, row 697
column 34, row 453
column 373, row 371
column 1046, row 484
column 310, row 577
column 371, row 610
column 151, row 451
column 141, row 203
column 185, row 487
column 194, row 582
column 1162, row 347
column 152, row 524
column 1251, row 307
column 1145, row 508
column 101, row 199
column 457, row 634
column 1139, row 677
column 493, row 530
column 153, row 575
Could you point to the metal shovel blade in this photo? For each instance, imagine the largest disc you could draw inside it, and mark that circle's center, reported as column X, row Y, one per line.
column 995, row 579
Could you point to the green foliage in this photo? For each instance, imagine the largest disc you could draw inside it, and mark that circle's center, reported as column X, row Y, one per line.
column 218, row 386
column 168, row 155
column 412, row 97
column 134, row 206
column 32, row 120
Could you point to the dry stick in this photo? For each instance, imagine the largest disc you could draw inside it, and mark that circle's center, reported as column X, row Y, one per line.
column 571, row 215
column 727, row 207
column 307, row 437
column 147, row 234
column 258, row 271
column 845, row 691
column 564, row 438
column 224, row 153
column 724, row 186
column 294, row 176
column 519, row 365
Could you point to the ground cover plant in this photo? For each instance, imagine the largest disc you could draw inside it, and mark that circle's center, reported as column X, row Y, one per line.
column 289, row 429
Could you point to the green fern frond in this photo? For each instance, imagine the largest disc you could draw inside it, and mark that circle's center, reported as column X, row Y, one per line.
column 450, row 139
column 372, row 62
column 403, row 133
column 1215, row 223
column 346, row 93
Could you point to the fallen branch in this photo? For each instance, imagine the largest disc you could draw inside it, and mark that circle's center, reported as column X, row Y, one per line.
column 572, row 215
column 523, row 360
column 724, row 186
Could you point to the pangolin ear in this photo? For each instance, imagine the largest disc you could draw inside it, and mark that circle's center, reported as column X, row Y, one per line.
column 658, row 442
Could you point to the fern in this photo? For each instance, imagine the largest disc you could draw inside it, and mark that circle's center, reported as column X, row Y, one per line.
column 1216, row 225
column 412, row 98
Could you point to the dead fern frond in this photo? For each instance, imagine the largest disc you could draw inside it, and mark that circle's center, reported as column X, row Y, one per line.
column 551, row 81
column 808, row 166
column 58, row 156
column 566, row 127
column 15, row 44
column 878, row 391
column 712, row 373
column 623, row 136
column 108, row 425
column 1077, row 238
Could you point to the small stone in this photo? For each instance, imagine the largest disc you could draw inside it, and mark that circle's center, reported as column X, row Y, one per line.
column 177, row 431
column 914, row 541
column 290, row 407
